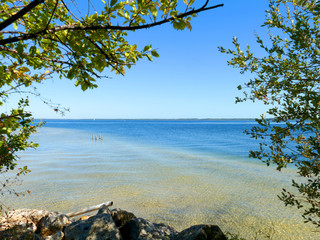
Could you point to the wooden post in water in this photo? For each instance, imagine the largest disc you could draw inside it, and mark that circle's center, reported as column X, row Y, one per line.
column 89, row 209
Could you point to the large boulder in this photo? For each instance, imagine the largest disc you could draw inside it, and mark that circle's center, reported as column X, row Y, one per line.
column 201, row 232
column 19, row 232
column 52, row 223
column 121, row 217
column 57, row 236
column 21, row 224
column 100, row 226
column 28, row 218
column 142, row 229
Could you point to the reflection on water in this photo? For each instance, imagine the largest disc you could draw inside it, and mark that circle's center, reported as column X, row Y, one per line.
column 163, row 184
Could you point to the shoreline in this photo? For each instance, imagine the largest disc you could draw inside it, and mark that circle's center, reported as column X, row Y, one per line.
column 116, row 224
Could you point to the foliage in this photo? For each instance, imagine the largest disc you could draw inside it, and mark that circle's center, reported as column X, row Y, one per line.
column 40, row 39
column 13, row 141
column 287, row 79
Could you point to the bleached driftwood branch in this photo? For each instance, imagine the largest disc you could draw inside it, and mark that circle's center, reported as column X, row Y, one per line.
column 89, row 209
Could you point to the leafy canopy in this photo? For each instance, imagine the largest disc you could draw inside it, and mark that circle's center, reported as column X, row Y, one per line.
column 40, row 39
column 287, row 78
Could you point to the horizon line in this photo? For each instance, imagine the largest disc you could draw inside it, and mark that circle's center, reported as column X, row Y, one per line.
column 145, row 118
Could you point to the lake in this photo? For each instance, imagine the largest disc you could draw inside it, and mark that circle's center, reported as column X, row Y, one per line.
column 179, row 172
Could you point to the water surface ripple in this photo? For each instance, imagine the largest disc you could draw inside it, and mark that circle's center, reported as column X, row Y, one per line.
column 177, row 172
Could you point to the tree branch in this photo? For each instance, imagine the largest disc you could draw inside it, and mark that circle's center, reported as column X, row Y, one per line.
column 27, row 55
column 74, row 26
column 65, row 5
column 10, row 116
column 50, row 60
column 19, row 14
column 55, row 7
column 13, row 32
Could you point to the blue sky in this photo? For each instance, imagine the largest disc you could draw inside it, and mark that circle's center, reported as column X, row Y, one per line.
column 191, row 79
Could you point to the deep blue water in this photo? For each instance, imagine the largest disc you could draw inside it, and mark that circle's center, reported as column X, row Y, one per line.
column 206, row 136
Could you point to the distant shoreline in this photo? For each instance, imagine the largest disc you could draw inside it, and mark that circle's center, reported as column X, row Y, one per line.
column 153, row 119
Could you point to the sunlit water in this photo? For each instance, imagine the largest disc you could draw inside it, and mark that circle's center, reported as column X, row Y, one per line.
column 176, row 172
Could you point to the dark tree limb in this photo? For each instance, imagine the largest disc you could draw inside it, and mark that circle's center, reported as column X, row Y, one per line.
column 74, row 27
column 19, row 14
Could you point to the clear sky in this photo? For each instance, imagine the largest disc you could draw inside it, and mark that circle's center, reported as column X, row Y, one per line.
column 191, row 79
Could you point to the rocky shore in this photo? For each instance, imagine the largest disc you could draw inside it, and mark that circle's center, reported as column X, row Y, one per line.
column 108, row 224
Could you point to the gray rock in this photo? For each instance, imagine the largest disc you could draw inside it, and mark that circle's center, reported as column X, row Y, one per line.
column 98, row 227
column 201, row 232
column 57, row 236
column 141, row 229
column 28, row 218
column 18, row 232
column 52, row 223
column 21, row 224
column 121, row 217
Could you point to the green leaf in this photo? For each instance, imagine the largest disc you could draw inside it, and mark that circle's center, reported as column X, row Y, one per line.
column 188, row 25
column 47, row 41
column 120, row 13
column 24, row 69
column 179, row 25
column 154, row 12
column 118, row 6
column 191, row 2
column 126, row 15
column 154, row 53
column 15, row 25
column 147, row 48
column 149, row 57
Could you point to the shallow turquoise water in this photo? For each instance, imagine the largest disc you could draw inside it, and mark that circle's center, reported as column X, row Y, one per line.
column 177, row 172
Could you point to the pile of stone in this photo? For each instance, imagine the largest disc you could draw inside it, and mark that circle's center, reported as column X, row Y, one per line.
column 116, row 224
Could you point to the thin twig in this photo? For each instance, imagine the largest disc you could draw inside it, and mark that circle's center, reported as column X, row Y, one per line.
column 55, row 7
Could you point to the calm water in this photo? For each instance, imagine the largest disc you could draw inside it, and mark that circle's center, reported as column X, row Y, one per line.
column 177, row 172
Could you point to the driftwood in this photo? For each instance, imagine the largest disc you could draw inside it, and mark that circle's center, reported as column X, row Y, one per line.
column 89, row 209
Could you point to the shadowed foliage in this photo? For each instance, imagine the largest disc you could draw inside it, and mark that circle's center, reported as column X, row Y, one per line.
column 287, row 79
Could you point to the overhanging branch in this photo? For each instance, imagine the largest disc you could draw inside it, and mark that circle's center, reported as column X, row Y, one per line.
column 75, row 27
